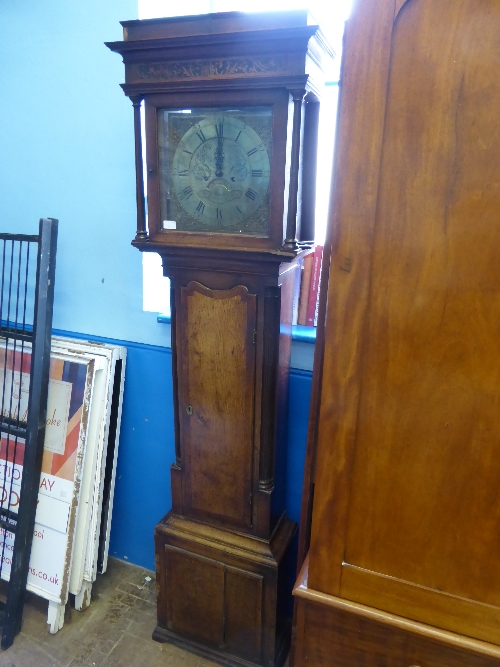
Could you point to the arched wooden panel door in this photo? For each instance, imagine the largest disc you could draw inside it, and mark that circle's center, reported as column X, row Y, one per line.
column 216, row 406
column 407, row 504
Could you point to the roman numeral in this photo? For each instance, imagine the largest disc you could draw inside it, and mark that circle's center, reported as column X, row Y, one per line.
column 218, row 214
column 256, row 173
column 238, row 135
column 252, row 152
column 200, row 209
column 186, row 193
column 250, row 194
column 201, row 136
column 239, row 210
column 184, row 172
column 188, row 152
column 219, row 129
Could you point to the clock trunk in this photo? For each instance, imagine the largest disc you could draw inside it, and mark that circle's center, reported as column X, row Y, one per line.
column 227, row 534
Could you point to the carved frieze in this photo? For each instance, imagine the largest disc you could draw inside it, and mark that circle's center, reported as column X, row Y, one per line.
column 217, row 67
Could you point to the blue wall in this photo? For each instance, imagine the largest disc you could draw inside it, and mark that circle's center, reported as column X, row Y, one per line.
column 146, row 452
column 66, row 138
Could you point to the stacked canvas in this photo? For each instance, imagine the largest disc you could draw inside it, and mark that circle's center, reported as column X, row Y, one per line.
column 75, row 498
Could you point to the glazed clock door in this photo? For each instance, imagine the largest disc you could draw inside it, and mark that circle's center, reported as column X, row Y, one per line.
column 407, row 504
column 215, row 169
column 216, row 331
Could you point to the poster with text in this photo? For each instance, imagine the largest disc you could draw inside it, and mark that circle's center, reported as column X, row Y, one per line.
column 61, row 465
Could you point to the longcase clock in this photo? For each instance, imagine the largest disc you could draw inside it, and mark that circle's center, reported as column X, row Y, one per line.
column 231, row 106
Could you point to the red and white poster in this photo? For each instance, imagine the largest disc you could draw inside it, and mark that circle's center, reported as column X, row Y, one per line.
column 69, row 392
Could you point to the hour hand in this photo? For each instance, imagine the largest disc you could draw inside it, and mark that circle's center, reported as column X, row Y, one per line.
column 219, row 157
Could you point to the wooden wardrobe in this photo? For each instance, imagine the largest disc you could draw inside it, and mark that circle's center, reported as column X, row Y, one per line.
column 403, row 476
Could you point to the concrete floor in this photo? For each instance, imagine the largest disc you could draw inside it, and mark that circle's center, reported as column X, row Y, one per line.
column 115, row 631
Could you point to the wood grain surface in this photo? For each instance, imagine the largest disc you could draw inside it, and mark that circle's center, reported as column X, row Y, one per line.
column 232, row 308
column 335, row 632
column 367, row 54
column 408, row 457
column 217, row 591
column 469, row 618
column 218, row 400
column 425, row 505
column 332, row 632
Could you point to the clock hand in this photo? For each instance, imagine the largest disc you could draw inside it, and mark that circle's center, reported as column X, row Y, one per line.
column 219, row 157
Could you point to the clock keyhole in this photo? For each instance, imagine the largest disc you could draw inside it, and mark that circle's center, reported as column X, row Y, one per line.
column 189, row 410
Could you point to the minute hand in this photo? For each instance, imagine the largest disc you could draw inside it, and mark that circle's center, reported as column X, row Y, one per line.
column 219, row 157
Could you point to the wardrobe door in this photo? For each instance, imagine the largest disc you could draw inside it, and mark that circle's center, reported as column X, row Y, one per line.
column 407, row 503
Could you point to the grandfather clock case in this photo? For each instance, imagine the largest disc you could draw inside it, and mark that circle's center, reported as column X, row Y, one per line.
column 231, row 108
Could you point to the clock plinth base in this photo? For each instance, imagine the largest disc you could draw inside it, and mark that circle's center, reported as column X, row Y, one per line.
column 219, row 655
column 218, row 592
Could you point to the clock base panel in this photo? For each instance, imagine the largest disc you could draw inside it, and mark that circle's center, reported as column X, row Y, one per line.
column 219, row 655
column 218, row 592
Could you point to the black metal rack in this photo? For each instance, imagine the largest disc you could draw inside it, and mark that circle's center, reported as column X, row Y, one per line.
column 27, row 272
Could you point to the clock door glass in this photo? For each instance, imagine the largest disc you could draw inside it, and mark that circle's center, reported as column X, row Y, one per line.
column 215, row 169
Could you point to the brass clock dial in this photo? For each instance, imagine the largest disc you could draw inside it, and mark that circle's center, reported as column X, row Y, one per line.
column 217, row 170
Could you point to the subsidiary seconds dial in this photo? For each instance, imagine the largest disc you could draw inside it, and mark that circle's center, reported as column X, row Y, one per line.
column 220, row 171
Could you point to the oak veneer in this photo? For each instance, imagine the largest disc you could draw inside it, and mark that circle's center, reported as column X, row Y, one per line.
column 232, row 292
column 216, row 387
column 217, row 591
